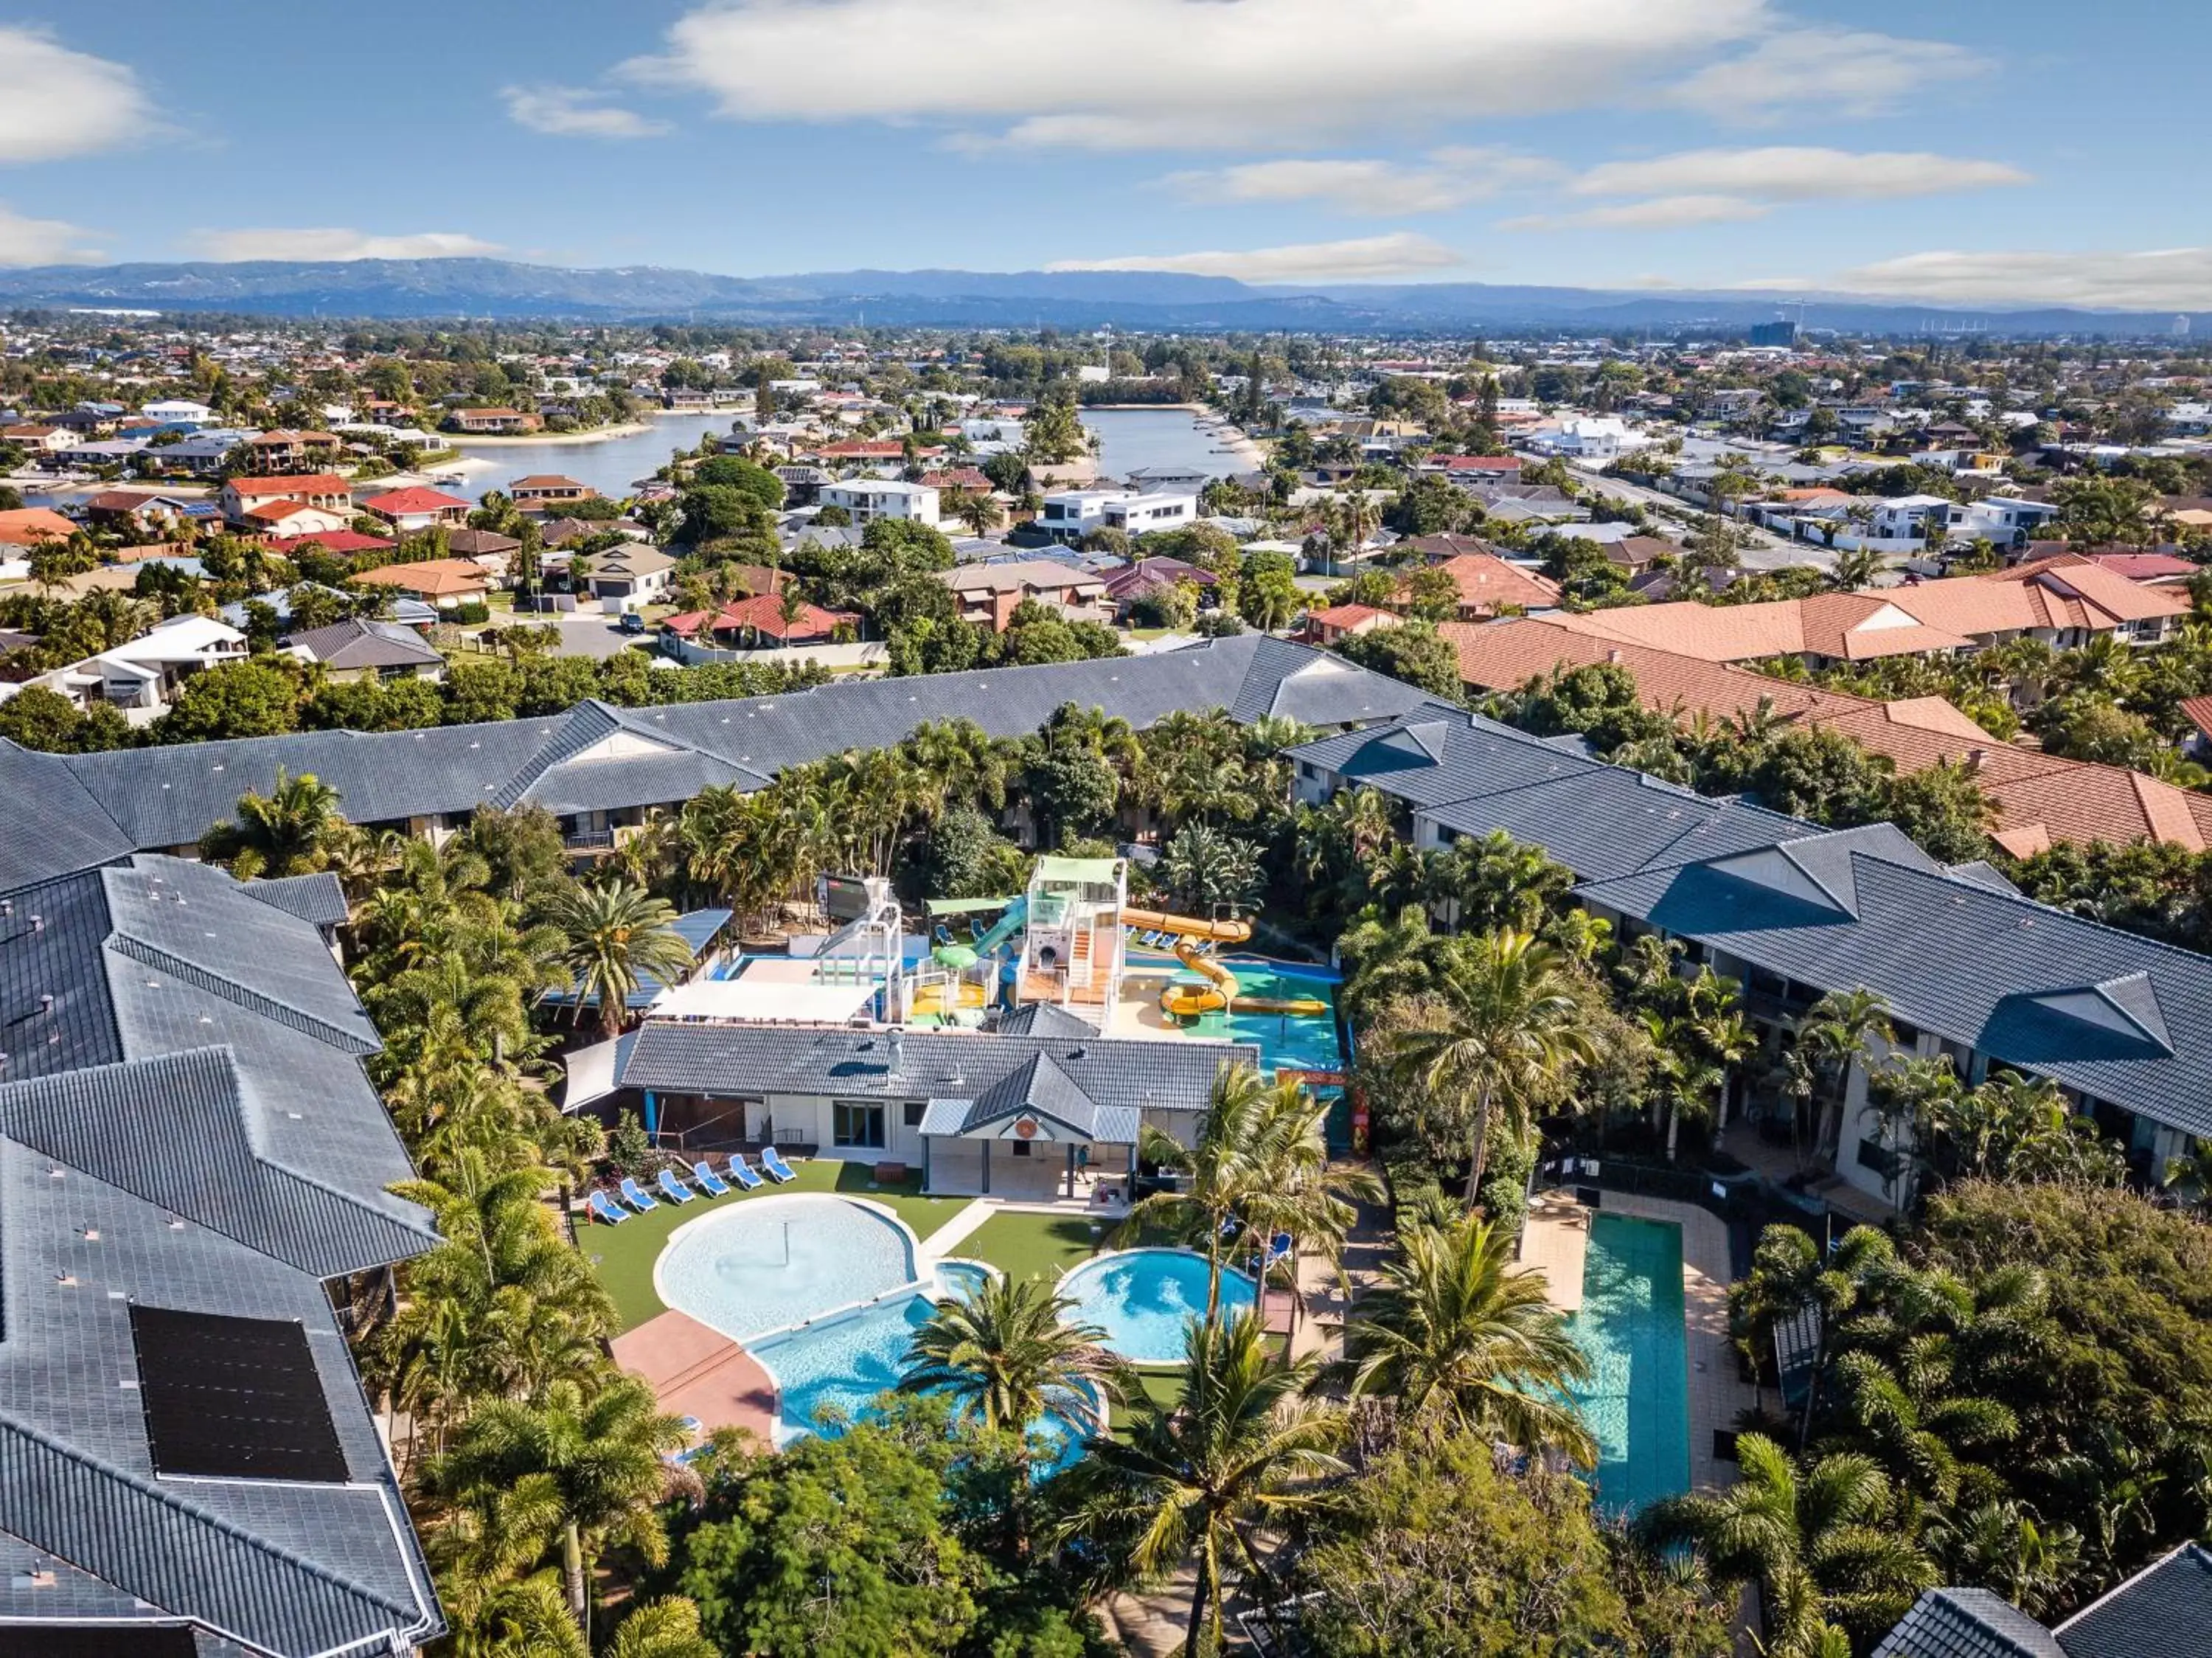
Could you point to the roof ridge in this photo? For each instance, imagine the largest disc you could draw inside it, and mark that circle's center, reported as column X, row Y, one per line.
column 152, row 1490
column 307, row 1024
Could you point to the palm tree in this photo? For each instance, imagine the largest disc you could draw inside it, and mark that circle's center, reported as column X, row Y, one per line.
column 1816, row 1541
column 2003, row 1546
column 666, row 1628
column 1455, row 1327
column 284, row 832
column 615, row 937
column 1006, row 1354
column 1219, row 1171
column 2189, row 1177
column 1510, row 1025
column 602, row 1453
column 1855, row 567
column 1833, row 1039
column 1244, row 1452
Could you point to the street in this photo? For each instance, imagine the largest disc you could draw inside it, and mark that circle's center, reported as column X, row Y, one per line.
column 1765, row 551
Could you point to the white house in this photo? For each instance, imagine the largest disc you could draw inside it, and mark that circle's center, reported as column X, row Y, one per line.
column 1141, row 515
column 1068, row 515
column 142, row 677
column 1591, row 437
column 2006, row 520
column 177, row 408
column 870, row 498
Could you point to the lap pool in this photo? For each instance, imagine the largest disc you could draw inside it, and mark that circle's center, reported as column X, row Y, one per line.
column 1636, row 1401
column 772, row 1262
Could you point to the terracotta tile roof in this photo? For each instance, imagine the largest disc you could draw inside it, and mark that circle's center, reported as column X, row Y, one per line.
column 2198, row 710
column 2146, row 566
column 293, row 483
column 959, row 477
column 2040, row 798
column 275, row 512
column 1487, row 584
column 399, row 502
column 1346, row 616
column 547, row 481
column 434, row 578
column 329, row 541
column 763, row 613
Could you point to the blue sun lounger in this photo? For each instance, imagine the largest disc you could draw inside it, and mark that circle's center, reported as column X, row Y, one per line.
column 709, row 1182
column 603, row 1207
column 673, row 1189
column 636, row 1196
column 778, row 1170
column 743, row 1172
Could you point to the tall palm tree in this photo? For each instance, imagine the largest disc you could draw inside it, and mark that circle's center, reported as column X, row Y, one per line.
column 284, row 832
column 1510, row 1024
column 1834, row 1036
column 1817, row 1541
column 1219, row 1171
column 1006, row 1354
column 1455, row 1327
column 615, row 936
column 602, row 1453
column 1245, row 1451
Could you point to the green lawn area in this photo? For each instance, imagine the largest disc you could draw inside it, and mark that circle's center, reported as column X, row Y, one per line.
column 1033, row 1246
column 623, row 1255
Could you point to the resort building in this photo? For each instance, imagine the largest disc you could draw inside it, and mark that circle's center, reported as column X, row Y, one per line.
column 193, row 1170
column 1968, row 966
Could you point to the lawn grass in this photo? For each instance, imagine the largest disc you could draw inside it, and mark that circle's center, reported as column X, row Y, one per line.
column 624, row 1256
column 1023, row 1246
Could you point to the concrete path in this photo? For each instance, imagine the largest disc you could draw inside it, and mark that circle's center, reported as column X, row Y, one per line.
column 947, row 1239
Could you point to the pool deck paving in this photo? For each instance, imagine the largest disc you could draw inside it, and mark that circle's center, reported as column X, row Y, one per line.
column 1718, row 1396
column 695, row 1371
column 1556, row 1243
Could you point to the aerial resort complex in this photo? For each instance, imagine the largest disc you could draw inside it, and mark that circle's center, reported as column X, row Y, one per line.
column 831, row 1108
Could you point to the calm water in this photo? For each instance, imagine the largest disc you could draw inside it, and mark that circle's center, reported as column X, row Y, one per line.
column 1145, row 1300
column 1131, row 438
column 608, row 466
column 1636, row 1401
column 769, row 1262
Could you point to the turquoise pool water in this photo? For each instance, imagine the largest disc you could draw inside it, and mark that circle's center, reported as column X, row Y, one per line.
column 1145, row 1299
column 774, row 1261
column 843, row 1365
column 1297, row 1042
column 1636, row 1401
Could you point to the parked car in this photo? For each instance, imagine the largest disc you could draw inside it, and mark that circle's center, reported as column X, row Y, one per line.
column 632, row 622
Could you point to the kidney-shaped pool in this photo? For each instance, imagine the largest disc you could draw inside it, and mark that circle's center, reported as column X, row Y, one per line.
column 1145, row 1299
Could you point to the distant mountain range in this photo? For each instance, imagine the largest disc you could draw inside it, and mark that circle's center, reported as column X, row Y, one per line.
column 507, row 291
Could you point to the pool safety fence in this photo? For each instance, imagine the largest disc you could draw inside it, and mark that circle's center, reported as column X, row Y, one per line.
column 1747, row 1200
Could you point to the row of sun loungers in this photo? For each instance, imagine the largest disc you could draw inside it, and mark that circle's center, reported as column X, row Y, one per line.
column 736, row 1174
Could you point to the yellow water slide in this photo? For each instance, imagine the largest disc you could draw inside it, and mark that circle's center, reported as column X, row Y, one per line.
column 1219, row 992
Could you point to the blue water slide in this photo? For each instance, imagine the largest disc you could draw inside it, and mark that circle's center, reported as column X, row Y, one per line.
column 1015, row 917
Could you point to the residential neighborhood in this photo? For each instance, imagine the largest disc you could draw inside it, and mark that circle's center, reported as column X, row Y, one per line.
column 1168, row 829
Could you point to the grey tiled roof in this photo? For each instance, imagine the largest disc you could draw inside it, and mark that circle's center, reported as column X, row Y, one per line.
column 357, row 642
column 1974, row 965
column 185, row 1124
column 1044, row 1019
column 2164, row 1611
column 152, row 799
column 1966, row 1623
column 1118, row 1079
column 318, row 898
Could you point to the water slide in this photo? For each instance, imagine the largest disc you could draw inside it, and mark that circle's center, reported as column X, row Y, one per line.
column 1012, row 921
column 1219, row 992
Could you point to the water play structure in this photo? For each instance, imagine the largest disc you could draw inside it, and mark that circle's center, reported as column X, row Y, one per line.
column 1220, row 992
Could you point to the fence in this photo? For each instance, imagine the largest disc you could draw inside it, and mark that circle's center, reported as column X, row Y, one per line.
column 1748, row 1201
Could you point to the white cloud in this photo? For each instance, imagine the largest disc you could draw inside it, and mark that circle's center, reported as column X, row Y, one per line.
column 56, row 102
column 1662, row 213
column 1165, row 74
column 575, row 112
column 333, row 245
column 2167, row 279
column 1797, row 174
column 1825, row 70
column 1367, row 259
column 1447, row 178
column 43, row 241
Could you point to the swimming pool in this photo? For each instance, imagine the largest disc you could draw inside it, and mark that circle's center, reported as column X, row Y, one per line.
column 770, row 1262
column 1636, row 1401
column 1285, row 1040
column 844, row 1364
column 1145, row 1299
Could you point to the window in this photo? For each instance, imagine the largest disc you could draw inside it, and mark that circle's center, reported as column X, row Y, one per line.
column 853, row 1123
column 1903, row 1034
column 913, row 1112
column 1024, row 1148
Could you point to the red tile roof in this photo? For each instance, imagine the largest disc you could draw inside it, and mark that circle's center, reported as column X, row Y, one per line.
column 1487, row 584
column 293, row 483
column 331, row 541
column 401, row 503
column 763, row 613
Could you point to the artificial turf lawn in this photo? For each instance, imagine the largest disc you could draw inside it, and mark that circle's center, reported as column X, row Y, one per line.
column 1024, row 1245
column 623, row 1255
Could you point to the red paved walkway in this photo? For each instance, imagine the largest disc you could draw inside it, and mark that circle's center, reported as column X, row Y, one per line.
column 699, row 1372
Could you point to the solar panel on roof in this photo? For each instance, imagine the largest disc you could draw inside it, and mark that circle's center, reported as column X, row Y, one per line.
column 232, row 1399
column 97, row 1641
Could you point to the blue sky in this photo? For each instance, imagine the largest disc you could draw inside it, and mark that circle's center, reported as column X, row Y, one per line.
column 1964, row 151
